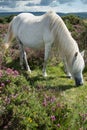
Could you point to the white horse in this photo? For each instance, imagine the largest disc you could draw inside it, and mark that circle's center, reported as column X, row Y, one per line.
column 43, row 32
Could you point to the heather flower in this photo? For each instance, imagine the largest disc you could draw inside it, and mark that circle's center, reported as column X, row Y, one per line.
column 2, row 85
column 9, row 71
column 45, row 102
column 6, row 127
column 58, row 105
column 52, row 99
column 12, row 72
column 53, row 118
column 8, row 81
column 16, row 73
column 58, row 125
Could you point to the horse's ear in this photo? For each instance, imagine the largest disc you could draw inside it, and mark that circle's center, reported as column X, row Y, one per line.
column 82, row 53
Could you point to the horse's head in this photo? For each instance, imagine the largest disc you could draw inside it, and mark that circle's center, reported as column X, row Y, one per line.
column 77, row 68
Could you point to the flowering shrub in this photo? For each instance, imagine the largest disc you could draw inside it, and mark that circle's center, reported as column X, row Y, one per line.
column 58, row 112
column 7, row 75
column 21, row 108
column 28, row 114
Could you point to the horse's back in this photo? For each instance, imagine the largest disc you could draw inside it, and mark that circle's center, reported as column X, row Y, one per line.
column 30, row 18
column 29, row 29
column 32, row 30
column 26, row 19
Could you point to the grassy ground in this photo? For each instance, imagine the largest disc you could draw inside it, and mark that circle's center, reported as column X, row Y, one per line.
column 37, row 103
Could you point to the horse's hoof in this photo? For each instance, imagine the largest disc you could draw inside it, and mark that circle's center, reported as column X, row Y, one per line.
column 45, row 74
column 69, row 76
column 29, row 71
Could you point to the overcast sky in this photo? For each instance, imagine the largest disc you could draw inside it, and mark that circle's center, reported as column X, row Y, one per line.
column 43, row 5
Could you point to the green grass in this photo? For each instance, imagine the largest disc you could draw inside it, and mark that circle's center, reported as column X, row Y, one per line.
column 28, row 99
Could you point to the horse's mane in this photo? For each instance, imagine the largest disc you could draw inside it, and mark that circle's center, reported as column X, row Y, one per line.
column 63, row 38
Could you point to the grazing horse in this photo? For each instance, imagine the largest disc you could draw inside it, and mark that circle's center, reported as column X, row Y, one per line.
column 46, row 31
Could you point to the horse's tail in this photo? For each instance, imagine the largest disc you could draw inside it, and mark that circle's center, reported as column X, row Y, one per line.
column 8, row 37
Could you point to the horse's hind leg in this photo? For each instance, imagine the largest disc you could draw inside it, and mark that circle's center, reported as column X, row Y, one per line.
column 21, row 53
column 23, row 57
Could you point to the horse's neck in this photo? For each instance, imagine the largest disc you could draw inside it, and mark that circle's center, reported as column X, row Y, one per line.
column 64, row 41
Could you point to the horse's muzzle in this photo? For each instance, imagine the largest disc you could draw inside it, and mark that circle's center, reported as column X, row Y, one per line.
column 78, row 81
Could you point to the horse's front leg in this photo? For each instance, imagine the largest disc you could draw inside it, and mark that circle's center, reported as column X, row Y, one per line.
column 66, row 69
column 46, row 56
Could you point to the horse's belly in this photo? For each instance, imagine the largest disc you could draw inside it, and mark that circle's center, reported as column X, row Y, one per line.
column 32, row 42
column 32, row 38
column 34, row 45
column 32, row 34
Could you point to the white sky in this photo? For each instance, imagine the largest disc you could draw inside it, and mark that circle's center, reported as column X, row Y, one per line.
column 43, row 5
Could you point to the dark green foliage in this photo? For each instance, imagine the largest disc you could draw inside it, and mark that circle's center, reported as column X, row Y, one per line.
column 6, row 19
column 74, row 20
